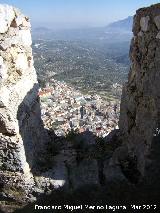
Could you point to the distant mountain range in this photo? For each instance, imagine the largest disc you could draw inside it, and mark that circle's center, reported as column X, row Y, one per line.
column 116, row 31
column 122, row 25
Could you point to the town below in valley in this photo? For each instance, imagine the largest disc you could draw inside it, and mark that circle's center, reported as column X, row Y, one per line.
column 64, row 109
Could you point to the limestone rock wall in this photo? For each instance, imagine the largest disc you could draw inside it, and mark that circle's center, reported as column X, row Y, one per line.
column 140, row 102
column 22, row 135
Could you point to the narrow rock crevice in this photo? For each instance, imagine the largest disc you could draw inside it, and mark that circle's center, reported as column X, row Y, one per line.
column 101, row 172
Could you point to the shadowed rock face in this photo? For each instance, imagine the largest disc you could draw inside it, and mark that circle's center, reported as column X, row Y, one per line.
column 140, row 103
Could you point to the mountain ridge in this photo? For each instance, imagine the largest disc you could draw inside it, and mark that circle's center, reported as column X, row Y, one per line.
column 121, row 28
column 121, row 25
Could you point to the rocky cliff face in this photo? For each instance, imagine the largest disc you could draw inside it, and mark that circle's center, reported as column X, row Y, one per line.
column 140, row 103
column 22, row 136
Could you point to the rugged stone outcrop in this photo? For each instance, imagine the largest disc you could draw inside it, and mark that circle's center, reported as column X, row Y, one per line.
column 22, row 136
column 140, row 102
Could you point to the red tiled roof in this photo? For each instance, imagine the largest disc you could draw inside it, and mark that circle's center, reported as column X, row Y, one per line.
column 41, row 93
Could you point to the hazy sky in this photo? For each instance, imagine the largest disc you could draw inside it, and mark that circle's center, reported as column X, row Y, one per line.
column 77, row 12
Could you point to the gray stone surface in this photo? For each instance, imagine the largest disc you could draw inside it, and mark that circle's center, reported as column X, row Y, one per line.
column 84, row 173
column 157, row 21
column 144, row 23
column 140, row 102
column 22, row 136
